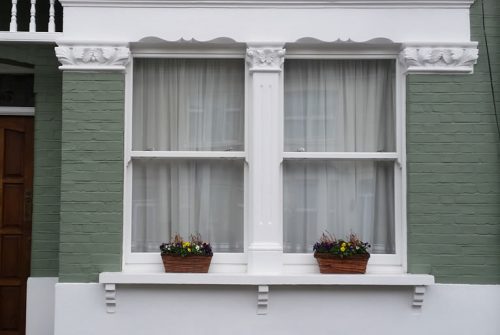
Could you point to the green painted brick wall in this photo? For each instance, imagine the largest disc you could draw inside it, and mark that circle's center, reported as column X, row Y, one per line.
column 453, row 156
column 91, row 175
column 46, row 183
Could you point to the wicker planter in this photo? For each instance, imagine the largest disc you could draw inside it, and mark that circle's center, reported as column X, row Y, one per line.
column 199, row 264
column 334, row 264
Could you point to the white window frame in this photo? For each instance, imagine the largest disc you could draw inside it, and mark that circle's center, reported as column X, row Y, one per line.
column 379, row 263
column 292, row 263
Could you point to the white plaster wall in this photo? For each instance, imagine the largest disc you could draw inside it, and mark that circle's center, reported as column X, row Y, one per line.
column 220, row 310
column 40, row 305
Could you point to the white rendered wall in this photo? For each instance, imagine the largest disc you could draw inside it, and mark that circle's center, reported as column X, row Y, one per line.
column 113, row 24
column 221, row 310
column 40, row 306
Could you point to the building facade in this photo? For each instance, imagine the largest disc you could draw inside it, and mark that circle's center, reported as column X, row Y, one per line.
column 260, row 125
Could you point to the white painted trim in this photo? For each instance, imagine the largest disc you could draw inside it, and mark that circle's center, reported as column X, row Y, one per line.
column 270, row 3
column 401, row 145
column 17, row 111
column 395, row 263
column 38, row 37
column 146, row 262
column 248, row 279
column 187, row 154
column 436, row 58
column 342, row 155
column 98, row 57
column 127, row 168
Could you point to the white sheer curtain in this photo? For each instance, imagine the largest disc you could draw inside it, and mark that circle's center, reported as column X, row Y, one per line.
column 339, row 106
column 188, row 105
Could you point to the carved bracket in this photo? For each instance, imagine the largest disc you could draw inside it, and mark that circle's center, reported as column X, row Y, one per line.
column 262, row 299
column 110, row 297
column 265, row 59
column 418, row 297
column 454, row 59
column 109, row 58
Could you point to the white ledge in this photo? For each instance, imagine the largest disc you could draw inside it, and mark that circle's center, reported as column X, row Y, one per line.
column 272, row 3
column 24, row 36
column 250, row 279
column 112, row 279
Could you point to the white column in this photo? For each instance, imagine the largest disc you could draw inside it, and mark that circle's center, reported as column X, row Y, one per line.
column 265, row 249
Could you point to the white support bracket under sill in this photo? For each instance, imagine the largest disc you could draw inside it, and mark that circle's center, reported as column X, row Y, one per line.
column 262, row 282
column 262, row 299
column 110, row 297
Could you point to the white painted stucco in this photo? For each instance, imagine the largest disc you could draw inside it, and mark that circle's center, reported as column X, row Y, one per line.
column 40, row 305
column 220, row 310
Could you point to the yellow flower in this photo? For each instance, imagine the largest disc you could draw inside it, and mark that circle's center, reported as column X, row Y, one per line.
column 343, row 244
column 342, row 249
column 189, row 249
column 186, row 244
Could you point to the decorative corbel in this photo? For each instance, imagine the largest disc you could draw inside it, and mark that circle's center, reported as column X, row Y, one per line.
column 439, row 59
column 110, row 297
column 265, row 59
column 92, row 57
column 262, row 299
column 418, row 297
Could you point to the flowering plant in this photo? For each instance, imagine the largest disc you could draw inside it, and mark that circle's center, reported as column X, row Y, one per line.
column 328, row 244
column 194, row 247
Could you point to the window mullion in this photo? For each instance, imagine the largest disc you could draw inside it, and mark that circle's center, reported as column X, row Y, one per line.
column 265, row 243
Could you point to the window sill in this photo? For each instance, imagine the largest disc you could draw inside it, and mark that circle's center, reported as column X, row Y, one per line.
column 254, row 279
column 111, row 279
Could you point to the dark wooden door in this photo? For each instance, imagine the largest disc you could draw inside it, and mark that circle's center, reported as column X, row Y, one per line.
column 16, row 187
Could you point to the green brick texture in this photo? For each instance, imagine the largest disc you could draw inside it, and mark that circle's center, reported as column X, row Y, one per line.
column 47, row 173
column 91, row 175
column 453, row 154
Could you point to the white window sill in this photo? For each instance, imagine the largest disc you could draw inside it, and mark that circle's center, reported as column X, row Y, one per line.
column 111, row 279
column 255, row 279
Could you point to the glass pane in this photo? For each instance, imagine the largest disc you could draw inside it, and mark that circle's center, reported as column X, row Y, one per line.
column 188, row 104
column 187, row 197
column 339, row 105
column 339, row 197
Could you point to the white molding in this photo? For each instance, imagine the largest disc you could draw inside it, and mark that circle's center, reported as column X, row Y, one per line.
column 110, row 297
column 93, row 57
column 17, row 111
column 111, row 279
column 261, row 279
column 435, row 58
column 265, row 59
column 23, row 36
column 271, row 3
column 265, row 149
column 342, row 155
column 188, row 154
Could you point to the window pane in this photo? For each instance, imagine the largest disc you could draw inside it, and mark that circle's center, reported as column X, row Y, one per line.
column 339, row 105
column 339, row 197
column 187, row 197
column 188, row 104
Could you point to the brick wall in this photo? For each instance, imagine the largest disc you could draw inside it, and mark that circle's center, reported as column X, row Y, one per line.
column 91, row 175
column 46, row 184
column 454, row 166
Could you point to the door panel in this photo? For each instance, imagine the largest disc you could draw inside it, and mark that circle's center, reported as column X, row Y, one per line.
column 16, row 184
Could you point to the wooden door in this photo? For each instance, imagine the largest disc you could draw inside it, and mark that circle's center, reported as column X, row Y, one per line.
column 16, row 186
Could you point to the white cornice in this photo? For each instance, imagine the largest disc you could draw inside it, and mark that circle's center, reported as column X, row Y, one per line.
column 272, row 3
column 452, row 58
column 92, row 57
